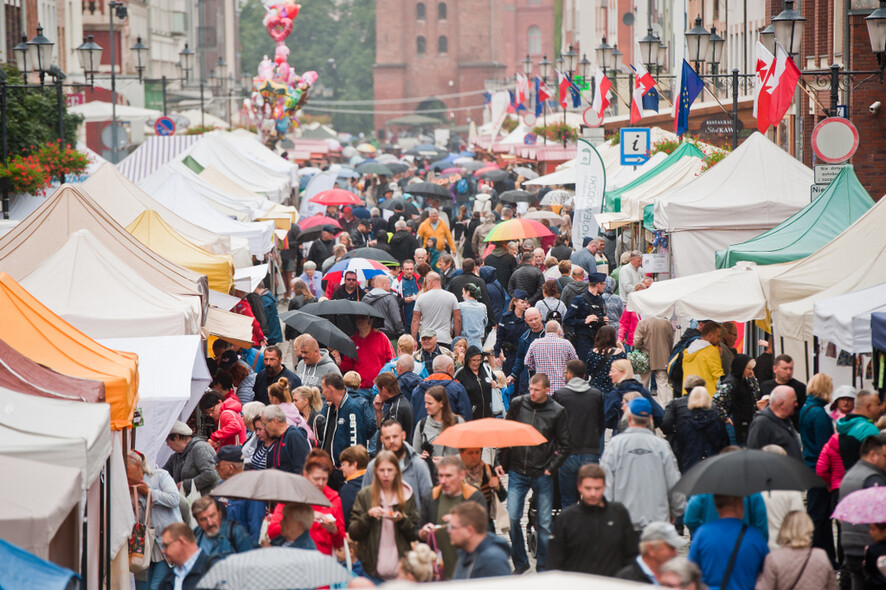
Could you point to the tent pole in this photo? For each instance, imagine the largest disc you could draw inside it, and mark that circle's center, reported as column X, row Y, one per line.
column 815, row 353
column 781, row 338
column 84, row 544
column 107, row 548
column 854, row 372
column 806, row 357
column 102, row 533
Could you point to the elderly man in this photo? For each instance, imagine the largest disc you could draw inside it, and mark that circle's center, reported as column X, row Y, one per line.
column 402, row 243
column 442, row 375
column 855, row 427
column 192, row 462
column 481, row 554
column 420, row 256
column 575, row 287
column 550, row 354
column 641, row 470
column 631, row 275
column 435, row 227
column 659, row 543
column 519, row 375
column 438, row 310
column 404, row 370
column 290, row 446
column 452, row 491
column 295, row 528
column 274, row 369
column 385, row 302
column 390, row 402
column 314, row 362
column 429, row 350
column 188, row 561
column 414, row 470
column 587, row 256
column 215, row 534
column 773, row 425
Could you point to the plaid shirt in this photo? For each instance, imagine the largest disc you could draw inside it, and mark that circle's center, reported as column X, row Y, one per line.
column 549, row 355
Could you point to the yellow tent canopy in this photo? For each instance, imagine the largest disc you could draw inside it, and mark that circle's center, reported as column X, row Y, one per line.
column 150, row 229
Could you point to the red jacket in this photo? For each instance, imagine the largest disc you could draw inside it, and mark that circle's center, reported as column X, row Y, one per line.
column 231, row 429
column 232, row 402
column 243, row 308
column 830, row 465
column 627, row 325
column 372, row 352
column 323, row 539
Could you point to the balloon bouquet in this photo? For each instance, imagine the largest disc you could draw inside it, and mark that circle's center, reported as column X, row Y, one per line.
column 278, row 91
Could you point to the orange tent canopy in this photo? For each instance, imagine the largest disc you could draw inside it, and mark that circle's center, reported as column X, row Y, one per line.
column 32, row 329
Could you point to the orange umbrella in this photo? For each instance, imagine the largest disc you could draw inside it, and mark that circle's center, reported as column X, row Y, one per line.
column 490, row 432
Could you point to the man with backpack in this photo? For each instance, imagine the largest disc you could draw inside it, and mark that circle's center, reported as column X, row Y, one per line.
column 586, row 315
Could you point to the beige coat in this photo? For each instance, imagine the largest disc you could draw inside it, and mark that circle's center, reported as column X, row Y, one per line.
column 782, row 567
column 655, row 336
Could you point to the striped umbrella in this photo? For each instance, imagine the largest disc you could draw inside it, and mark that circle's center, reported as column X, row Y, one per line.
column 365, row 269
column 336, row 196
column 517, row 229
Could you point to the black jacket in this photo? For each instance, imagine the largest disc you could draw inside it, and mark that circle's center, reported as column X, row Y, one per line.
column 584, row 415
column 700, row 434
column 634, row 573
column 769, row 429
column 592, row 539
column 263, row 381
column 528, row 278
column 403, row 245
column 550, row 419
column 477, row 386
column 190, row 581
column 320, row 251
column 677, row 409
column 503, row 263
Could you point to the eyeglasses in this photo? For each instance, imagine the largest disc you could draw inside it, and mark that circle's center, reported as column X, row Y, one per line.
column 166, row 546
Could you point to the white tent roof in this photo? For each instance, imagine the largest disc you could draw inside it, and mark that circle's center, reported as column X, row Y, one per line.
column 241, row 211
column 196, row 118
column 97, row 111
column 172, row 377
column 757, row 186
column 856, row 259
column 250, row 147
column 179, row 195
column 83, row 424
column 720, row 295
column 89, row 286
column 124, row 201
column 680, row 173
column 624, row 174
column 560, row 177
column 845, row 320
column 214, row 150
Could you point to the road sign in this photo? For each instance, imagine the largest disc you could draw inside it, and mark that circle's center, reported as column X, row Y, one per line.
column 842, row 111
column 115, row 137
column 635, row 145
column 826, row 173
column 164, row 126
column 530, row 139
column 817, row 189
column 834, row 140
column 591, row 118
column 529, row 119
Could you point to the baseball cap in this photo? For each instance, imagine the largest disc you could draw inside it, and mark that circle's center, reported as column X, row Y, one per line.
column 520, row 294
column 232, row 453
column 427, row 333
column 662, row 531
column 640, row 407
column 227, row 360
column 181, row 429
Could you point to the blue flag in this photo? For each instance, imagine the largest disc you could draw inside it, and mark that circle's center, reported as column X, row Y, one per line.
column 575, row 94
column 690, row 87
column 539, row 105
column 650, row 100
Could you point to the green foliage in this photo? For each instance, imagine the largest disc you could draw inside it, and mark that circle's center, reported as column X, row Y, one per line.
column 32, row 116
column 665, row 145
column 557, row 131
column 343, row 31
column 509, row 124
column 713, row 159
column 615, row 139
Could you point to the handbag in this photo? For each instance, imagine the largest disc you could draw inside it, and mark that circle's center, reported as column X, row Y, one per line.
column 498, row 402
column 188, row 500
column 141, row 541
column 639, row 361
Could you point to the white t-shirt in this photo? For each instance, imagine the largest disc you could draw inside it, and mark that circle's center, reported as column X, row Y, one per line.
column 437, row 308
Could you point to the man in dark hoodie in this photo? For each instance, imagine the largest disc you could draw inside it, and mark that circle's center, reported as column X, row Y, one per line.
column 402, row 243
column 385, row 302
column 501, row 260
column 528, row 278
column 459, row 402
column 498, row 297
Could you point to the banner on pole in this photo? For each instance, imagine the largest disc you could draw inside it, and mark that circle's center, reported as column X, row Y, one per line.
column 590, row 184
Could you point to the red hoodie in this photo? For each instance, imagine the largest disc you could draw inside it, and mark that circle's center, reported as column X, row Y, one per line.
column 373, row 352
column 231, row 428
column 323, row 539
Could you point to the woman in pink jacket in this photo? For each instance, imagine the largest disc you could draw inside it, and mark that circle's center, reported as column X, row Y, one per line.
column 231, row 428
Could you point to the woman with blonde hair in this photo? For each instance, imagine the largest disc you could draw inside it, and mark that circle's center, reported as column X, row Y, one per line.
column 384, row 519
column 280, row 395
column 622, row 375
column 310, row 404
column 797, row 565
column 700, row 433
column 417, row 565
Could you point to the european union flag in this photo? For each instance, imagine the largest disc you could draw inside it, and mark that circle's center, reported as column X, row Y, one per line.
column 539, row 105
column 650, row 100
column 690, row 87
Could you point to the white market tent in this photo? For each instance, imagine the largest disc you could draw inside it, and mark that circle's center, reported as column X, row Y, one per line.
column 720, row 295
column 625, row 174
column 196, row 118
column 845, row 320
column 287, row 215
column 92, row 288
column 214, row 150
column 250, row 147
column 751, row 190
column 240, row 209
column 97, row 111
column 177, row 194
column 154, row 153
column 172, row 377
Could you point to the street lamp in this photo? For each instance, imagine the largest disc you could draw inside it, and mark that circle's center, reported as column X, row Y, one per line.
column 603, row 52
column 140, row 50
column 527, row 65
column 186, row 63
column 584, row 67
column 21, row 56
column 876, row 24
column 616, row 58
column 544, row 68
column 697, row 39
column 789, row 25
column 219, row 71
column 767, row 37
column 90, row 54
column 40, row 53
column 662, row 56
column 649, row 46
column 571, row 59
column 559, row 62
column 715, row 49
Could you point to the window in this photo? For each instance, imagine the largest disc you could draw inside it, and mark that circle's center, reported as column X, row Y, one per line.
column 441, row 11
column 534, row 40
column 421, row 46
column 442, row 45
column 420, row 11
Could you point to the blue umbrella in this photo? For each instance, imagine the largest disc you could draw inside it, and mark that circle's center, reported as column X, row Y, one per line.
column 275, row 568
column 23, row 570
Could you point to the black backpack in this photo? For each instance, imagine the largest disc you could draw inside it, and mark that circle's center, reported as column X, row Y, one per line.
column 553, row 314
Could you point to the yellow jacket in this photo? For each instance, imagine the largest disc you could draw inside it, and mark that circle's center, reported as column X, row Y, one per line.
column 703, row 359
column 442, row 233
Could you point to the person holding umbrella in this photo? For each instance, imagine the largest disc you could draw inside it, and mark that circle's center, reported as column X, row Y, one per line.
column 322, row 249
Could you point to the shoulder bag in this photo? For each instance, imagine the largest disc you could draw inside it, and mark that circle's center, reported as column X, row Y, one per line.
column 744, row 527
column 141, row 541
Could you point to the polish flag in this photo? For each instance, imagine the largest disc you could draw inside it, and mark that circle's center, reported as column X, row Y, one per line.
column 522, row 88
column 544, row 93
column 564, row 88
column 642, row 84
column 601, row 92
column 783, row 81
column 761, row 97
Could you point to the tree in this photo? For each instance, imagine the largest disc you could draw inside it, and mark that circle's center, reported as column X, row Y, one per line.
column 343, row 31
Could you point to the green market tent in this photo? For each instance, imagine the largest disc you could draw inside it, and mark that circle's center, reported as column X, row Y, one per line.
column 808, row 230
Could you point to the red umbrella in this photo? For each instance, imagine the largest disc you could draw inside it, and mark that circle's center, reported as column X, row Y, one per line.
column 336, row 196
column 315, row 220
column 486, row 169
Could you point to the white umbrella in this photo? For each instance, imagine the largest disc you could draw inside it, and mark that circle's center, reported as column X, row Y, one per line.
column 275, row 568
column 462, row 160
column 526, row 173
column 557, row 197
column 553, row 218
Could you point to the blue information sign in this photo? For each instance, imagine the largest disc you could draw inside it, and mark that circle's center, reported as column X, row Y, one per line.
column 164, row 126
column 635, row 145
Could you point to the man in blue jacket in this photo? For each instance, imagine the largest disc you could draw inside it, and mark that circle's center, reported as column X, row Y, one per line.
column 459, row 402
column 218, row 536
column 481, row 554
column 345, row 422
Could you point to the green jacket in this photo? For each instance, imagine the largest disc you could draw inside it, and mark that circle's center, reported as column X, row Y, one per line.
column 366, row 530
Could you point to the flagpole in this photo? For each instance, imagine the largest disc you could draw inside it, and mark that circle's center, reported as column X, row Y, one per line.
column 711, row 92
column 661, row 94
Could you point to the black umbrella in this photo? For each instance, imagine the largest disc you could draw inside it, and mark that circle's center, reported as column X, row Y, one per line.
column 495, row 175
column 374, row 168
column 372, row 254
column 746, row 472
column 517, row 196
column 428, row 189
column 322, row 329
column 473, row 165
column 408, row 208
column 397, row 167
column 341, row 307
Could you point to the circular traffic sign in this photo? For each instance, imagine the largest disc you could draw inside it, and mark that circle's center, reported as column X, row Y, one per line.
column 591, row 118
column 834, row 140
column 530, row 139
column 164, row 126
column 115, row 137
column 529, row 119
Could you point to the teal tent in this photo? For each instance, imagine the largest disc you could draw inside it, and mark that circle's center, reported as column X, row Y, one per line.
column 808, row 230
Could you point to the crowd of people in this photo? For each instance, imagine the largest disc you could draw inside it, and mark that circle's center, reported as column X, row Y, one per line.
column 528, row 330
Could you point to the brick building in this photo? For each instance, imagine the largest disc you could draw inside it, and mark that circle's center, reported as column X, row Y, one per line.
column 446, row 51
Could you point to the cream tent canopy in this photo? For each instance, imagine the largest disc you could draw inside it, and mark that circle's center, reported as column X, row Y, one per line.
column 845, row 320
column 241, row 209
